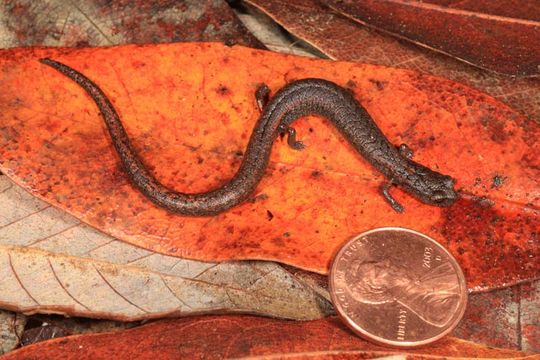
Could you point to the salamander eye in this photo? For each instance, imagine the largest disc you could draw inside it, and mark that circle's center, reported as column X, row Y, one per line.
column 421, row 171
column 438, row 196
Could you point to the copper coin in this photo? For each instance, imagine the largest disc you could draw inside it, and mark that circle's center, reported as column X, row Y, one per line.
column 397, row 287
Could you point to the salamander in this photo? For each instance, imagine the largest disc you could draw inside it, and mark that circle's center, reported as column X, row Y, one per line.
column 296, row 99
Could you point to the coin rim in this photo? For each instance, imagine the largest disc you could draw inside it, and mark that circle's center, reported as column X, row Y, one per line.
column 386, row 342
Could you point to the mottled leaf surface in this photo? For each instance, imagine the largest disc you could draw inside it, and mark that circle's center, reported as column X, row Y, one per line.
column 105, row 23
column 317, row 198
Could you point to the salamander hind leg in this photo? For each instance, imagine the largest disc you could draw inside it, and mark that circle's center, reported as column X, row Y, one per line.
column 262, row 96
column 385, row 190
column 291, row 137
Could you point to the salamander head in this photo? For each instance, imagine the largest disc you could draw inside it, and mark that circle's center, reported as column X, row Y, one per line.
column 431, row 187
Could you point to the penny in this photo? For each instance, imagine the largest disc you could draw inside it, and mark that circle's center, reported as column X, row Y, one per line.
column 397, row 287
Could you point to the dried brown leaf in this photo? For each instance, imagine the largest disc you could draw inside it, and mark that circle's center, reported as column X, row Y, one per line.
column 343, row 39
column 246, row 337
column 11, row 329
column 505, row 318
column 40, row 281
column 504, row 44
column 105, row 23
column 40, row 327
column 529, row 319
column 53, row 263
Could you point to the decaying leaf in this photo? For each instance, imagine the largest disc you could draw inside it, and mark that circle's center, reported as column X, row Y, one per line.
column 11, row 329
column 241, row 337
column 272, row 35
column 52, row 263
column 503, row 318
column 42, row 333
column 530, row 321
column 40, row 281
column 42, row 327
column 341, row 38
column 503, row 44
column 105, row 23
column 318, row 198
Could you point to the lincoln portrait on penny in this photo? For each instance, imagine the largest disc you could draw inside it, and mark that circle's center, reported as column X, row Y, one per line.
column 432, row 296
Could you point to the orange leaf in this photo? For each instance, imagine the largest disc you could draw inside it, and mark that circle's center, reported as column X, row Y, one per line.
column 189, row 110
column 222, row 337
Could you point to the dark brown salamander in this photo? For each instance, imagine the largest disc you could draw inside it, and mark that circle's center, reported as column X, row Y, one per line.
column 296, row 99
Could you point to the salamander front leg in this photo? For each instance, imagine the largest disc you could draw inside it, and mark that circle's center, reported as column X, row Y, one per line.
column 385, row 189
column 291, row 137
column 405, row 151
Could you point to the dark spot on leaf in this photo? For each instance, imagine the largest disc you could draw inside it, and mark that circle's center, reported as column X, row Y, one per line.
column 477, row 181
column 223, row 90
column 269, row 215
column 278, row 242
column 498, row 181
column 351, row 84
column 495, row 127
column 380, row 85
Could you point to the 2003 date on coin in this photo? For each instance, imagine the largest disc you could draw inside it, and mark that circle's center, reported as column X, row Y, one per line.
column 397, row 287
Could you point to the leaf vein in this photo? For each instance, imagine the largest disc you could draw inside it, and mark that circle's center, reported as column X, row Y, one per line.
column 53, row 234
column 19, row 280
column 117, row 292
column 174, row 294
column 24, row 217
column 63, row 287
